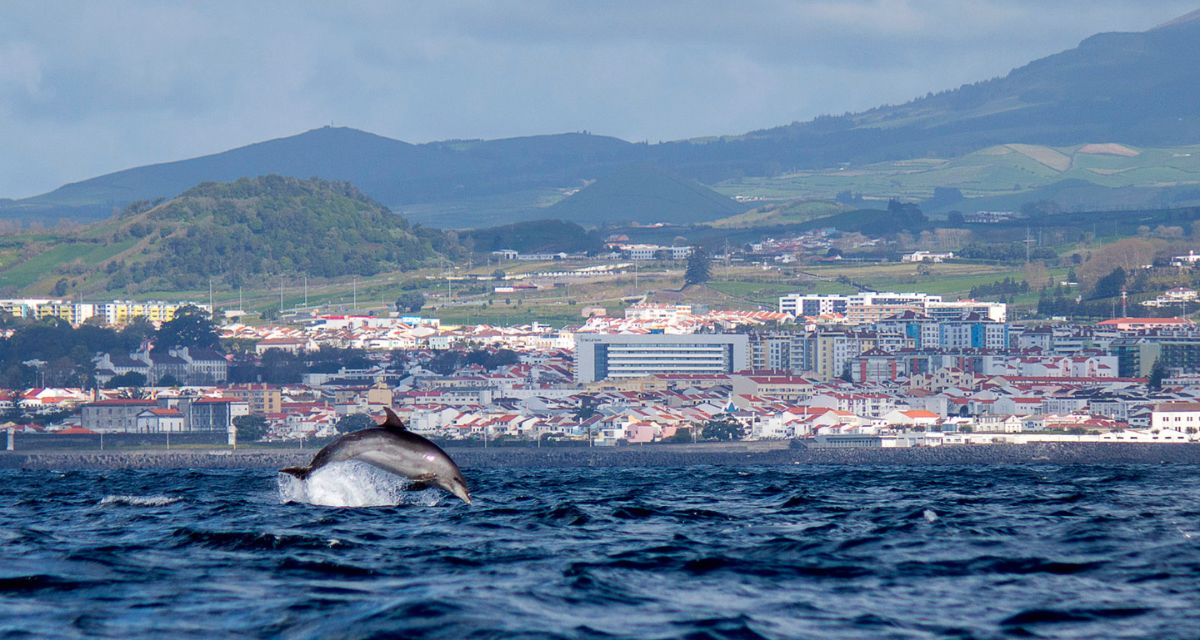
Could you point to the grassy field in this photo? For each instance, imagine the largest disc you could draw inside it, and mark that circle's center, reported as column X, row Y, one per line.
column 558, row 301
column 775, row 214
column 736, row 287
column 999, row 170
column 20, row 273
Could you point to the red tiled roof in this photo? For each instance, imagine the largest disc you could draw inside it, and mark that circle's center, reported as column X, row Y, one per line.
column 74, row 431
column 166, row 412
column 1120, row 321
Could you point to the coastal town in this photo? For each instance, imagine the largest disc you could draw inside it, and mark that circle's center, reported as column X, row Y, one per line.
column 872, row 369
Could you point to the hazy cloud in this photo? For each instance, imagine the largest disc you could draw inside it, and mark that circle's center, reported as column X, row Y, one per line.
column 87, row 87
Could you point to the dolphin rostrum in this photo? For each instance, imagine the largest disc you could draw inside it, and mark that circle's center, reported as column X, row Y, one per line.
column 394, row 449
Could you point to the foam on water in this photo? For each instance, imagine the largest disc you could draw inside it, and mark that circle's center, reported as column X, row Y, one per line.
column 138, row 501
column 353, row 484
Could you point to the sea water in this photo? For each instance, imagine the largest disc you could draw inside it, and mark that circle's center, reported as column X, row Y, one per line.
column 685, row 552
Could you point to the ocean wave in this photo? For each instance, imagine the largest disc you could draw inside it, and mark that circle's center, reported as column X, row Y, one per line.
column 353, row 484
column 138, row 501
column 601, row 553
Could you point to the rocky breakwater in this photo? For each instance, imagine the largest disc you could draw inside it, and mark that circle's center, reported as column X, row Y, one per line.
column 153, row 459
column 662, row 455
column 1039, row 453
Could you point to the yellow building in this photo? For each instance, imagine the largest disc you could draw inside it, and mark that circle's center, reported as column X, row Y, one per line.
column 117, row 312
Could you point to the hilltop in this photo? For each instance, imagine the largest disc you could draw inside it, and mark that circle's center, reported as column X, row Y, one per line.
column 646, row 195
column 1132, row 88
column 236, row 231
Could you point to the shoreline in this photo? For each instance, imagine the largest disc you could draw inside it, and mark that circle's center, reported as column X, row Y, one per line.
column 659, row 455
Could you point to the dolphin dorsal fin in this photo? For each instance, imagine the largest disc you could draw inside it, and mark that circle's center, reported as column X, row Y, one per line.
column 393, row 421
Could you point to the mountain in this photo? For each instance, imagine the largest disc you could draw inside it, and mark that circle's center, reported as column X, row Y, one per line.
column 1132, row 88
column 1137, row 89
column 390, row 171
column 255, row 227
column 644, row 194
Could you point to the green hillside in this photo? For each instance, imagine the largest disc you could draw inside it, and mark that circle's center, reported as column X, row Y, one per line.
column 997, row 171
column 646, row 195
column 230, row 232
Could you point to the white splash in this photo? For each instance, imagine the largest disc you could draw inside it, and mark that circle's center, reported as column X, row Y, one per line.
column 931, row 515
column 139, row 501
column 353, row 484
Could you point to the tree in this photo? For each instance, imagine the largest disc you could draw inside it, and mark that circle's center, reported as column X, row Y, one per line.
column 501, row 358
column 445, row 362
column 190, row 327
column 1110, row 286
column 354, row 422
column 410, row 301
column 1036, row 274
column 699, row 267
column 724, row 428
column 128, row 379
column 169, row 381
column 251, row 428
column 1129, row 255
column 1157, row 373
column 586, row 408
column 398, row 360
column 681, row 435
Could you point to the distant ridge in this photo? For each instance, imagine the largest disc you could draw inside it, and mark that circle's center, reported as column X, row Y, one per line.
column 1131, row 89
column 1190, row 17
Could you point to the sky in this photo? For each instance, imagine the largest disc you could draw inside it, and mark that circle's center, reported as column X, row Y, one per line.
column 88, row 88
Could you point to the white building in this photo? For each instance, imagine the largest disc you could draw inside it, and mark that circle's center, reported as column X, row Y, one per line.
column 607, row 356
column 1189, row 260
column 926, row 256
column 868, row 307
column 1179, row 416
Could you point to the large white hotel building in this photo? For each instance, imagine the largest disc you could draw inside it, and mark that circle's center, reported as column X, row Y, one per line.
column 609, row 356
column 871, row 307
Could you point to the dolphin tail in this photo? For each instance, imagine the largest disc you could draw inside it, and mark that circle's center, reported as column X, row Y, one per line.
column 298, row 472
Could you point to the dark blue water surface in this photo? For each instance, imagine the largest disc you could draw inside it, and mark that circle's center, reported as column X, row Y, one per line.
column 695, row 552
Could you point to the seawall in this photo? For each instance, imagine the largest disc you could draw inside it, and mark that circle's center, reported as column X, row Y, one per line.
column 756, row 453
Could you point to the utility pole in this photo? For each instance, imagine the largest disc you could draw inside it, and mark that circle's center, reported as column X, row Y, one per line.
column 1124, row 299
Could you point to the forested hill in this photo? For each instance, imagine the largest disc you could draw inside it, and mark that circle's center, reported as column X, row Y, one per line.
column 266, row 225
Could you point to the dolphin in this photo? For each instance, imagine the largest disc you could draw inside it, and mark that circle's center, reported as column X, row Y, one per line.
column 395, row 449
